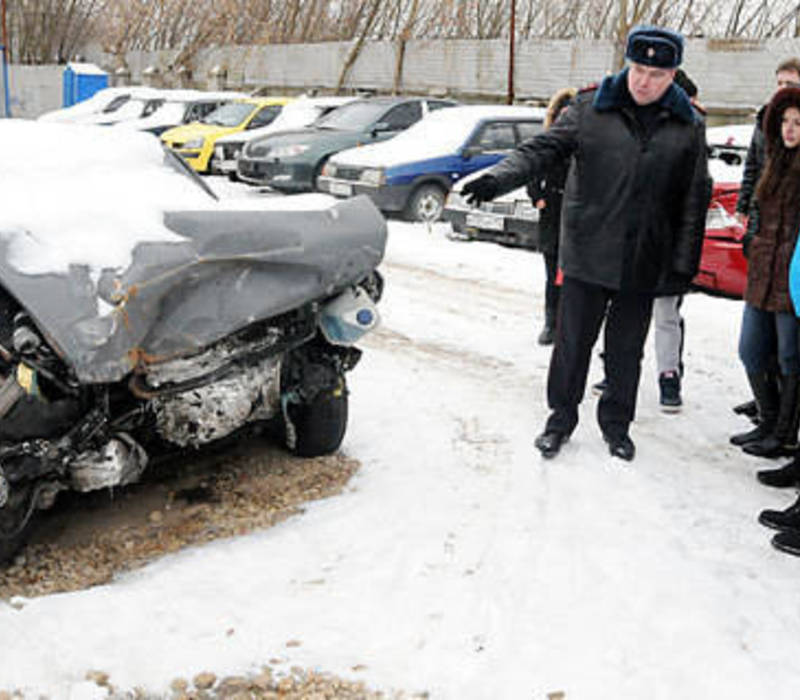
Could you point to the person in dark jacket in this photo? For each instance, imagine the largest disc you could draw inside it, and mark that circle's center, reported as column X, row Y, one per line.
column 768, row 312
column 767, row 298
column 633, row 219
column 547, row 194
column 786, row 74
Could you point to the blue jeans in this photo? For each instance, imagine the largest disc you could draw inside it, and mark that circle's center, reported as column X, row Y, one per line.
column 766, row 334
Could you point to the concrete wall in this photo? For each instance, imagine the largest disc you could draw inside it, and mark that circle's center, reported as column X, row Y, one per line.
column 732, row 75
column 34, row 89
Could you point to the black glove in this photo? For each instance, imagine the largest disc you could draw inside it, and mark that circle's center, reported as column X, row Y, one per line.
column 482, row 189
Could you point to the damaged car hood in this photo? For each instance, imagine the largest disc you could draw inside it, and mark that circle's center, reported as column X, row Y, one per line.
column 207, row 271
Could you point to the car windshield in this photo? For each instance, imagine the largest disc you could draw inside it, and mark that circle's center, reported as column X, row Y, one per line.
column 354, row 116
column 231, row 114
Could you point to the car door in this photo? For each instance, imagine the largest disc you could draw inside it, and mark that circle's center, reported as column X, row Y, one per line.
column 490, row 143
column 397, row 119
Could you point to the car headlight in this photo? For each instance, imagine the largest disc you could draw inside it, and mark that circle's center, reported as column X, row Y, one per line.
column 194, row 143
column 373, row 176
column 290, row 151
column 329, row 169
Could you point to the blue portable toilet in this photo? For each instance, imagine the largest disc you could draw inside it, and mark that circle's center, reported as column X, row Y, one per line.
column 81, row 81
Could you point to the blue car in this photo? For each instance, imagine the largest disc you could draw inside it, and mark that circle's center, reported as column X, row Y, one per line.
column 413, row 172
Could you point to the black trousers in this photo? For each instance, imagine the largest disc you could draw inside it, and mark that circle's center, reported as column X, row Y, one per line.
column 581, row 311
column 551, row 289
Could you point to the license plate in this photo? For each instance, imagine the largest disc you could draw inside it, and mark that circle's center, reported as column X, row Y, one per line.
column 342, row 189
column 489, row 222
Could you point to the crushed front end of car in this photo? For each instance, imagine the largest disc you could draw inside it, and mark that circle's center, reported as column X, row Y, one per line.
column 219, row 318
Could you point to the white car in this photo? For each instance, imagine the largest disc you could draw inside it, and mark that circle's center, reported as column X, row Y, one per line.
column 295, row 115
column 106, row 104
column 510, row 219
column 179, row 107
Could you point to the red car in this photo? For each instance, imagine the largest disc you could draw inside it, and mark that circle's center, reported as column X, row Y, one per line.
column 723, row 267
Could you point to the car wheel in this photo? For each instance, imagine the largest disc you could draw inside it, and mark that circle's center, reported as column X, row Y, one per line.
column 426, row 203
column 320, row 424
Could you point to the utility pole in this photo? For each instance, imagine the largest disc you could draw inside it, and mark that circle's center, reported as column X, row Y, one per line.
column 511, row 34
column 4, row 40
column 6, row 53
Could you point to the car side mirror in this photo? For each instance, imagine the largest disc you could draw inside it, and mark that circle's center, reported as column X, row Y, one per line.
column 470, row 151
column 381, row 127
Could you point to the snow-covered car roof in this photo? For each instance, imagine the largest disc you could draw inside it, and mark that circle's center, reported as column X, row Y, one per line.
column 97, row 103
column 175, row 102
column 294, row 115
column 734, row 135
column 437, row 134
column 116, row 248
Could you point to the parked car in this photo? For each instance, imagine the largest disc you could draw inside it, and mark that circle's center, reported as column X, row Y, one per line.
column 413, row 172
column 723, row 267
column 180, row 107
column 291, row 161
column 195, row 141
column 300, row 113
column 105, row 101
column 510, row 219
column 141, row 315
column 127, row 106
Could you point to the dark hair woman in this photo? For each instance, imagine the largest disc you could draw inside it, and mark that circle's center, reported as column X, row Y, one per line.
column 768, row 312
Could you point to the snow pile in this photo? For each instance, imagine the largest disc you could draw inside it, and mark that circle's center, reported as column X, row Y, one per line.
column 83, row 195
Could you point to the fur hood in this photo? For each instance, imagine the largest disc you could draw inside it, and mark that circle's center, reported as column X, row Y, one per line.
column 781, row 100
column 557, row 102
column 613, row 94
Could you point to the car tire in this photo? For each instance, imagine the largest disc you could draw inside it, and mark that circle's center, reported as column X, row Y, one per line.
column 320, row 424
column 426, row 203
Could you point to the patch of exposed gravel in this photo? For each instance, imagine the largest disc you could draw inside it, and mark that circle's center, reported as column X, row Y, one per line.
column 89, row 538
column 298, row 684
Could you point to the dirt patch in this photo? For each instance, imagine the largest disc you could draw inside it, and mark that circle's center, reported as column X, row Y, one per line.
column 88, row 538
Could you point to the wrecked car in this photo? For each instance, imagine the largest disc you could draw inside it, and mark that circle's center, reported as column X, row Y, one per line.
column 140, row 314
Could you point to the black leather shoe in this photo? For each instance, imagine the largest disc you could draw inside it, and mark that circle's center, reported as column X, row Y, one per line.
column 783, row 478
column 788, row 541
column 547, row 336
column 549, row 443
column 788, row 519
column 621, row 447
column 758, row 433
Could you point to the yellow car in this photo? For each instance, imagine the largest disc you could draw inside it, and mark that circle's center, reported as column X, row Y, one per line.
column 195, row 141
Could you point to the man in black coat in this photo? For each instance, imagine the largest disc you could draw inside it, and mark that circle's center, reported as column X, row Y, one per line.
column 633, row 219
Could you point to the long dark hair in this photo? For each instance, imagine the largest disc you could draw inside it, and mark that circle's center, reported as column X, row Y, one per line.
column 781, row 174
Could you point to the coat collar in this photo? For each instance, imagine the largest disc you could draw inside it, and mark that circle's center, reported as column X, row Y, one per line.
column 613, row 94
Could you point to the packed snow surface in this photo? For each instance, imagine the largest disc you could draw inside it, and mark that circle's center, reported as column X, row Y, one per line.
column 460, row 562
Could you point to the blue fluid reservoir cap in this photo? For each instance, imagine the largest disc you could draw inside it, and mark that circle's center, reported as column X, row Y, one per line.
column 365, row 317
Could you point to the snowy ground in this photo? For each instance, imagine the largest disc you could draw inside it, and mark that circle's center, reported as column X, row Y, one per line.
column 460, row 562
